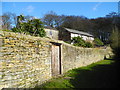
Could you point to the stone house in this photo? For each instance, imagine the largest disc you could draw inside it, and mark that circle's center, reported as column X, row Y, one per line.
column 67, row 34
column 52, row 33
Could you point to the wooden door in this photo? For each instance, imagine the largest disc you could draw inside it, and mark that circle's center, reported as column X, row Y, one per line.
column 56, row 62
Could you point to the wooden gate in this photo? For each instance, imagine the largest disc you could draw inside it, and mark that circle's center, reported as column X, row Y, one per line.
column 56, row 60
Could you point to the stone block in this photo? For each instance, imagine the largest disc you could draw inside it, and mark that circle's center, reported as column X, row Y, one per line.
column 1, row 42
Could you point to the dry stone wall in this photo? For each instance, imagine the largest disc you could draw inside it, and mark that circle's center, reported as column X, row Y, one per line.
column 74, row 57
column 25, row 61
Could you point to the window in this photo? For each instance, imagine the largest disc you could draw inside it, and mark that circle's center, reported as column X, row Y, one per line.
column 50, row 32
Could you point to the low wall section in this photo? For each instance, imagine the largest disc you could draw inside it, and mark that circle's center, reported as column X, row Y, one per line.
column 74, row 57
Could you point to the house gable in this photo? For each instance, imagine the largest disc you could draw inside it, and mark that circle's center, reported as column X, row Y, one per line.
column 84, row 35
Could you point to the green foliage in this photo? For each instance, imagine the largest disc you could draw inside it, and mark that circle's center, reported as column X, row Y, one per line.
column 98, row 42
column 33, row 27
column 6, row 30
column 69, row 42
column 114, row 38
column 15, row 30
column 41, row 32
column 88, row 44
column 78, row 41
column 115, row 42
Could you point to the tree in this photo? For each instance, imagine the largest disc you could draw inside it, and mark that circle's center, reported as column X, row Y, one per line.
column 59, row 20
column 77, row 22
column 28, row 17
column 33, row 27
column 52, row 19
column 102, row 27
column 115, row 42
column 8, row 19
column 20, row 19
column 49, row 18
column 37, row 27
column 112, row 14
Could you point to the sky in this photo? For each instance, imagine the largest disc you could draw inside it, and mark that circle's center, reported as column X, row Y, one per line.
column 59, row 0
column 39, row 9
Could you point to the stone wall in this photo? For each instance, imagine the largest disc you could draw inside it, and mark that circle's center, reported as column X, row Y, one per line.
column 74, row 57
column 25, row 61
column 53, row 34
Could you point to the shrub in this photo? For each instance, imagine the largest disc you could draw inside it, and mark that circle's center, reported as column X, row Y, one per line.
column 78, row 41
column 41, row 32
column 16, row 30
column 98, row 42
column 88, row 44
column 32, row 27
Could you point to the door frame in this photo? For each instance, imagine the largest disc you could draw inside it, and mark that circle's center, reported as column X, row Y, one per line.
column 60, row 62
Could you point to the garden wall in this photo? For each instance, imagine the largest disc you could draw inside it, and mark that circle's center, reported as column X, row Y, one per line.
column 74, row 57
column 25, row 61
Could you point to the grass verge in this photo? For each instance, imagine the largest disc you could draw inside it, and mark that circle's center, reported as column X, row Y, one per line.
column 102, row 74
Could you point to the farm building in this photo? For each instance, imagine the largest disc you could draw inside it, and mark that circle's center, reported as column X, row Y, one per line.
column 67, row 34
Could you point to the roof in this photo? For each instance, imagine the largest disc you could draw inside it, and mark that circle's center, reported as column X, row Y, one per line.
column 78, row 32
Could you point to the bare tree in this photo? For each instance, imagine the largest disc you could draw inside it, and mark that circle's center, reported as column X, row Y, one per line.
column 52, row 19
column 49, row 18
column 8, row 19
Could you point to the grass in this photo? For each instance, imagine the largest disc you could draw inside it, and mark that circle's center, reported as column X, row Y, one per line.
column 102, row 74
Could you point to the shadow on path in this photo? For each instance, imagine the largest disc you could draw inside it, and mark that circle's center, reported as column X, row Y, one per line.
column 99, row 76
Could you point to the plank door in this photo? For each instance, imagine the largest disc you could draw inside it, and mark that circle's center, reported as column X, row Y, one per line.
column 56, row 62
